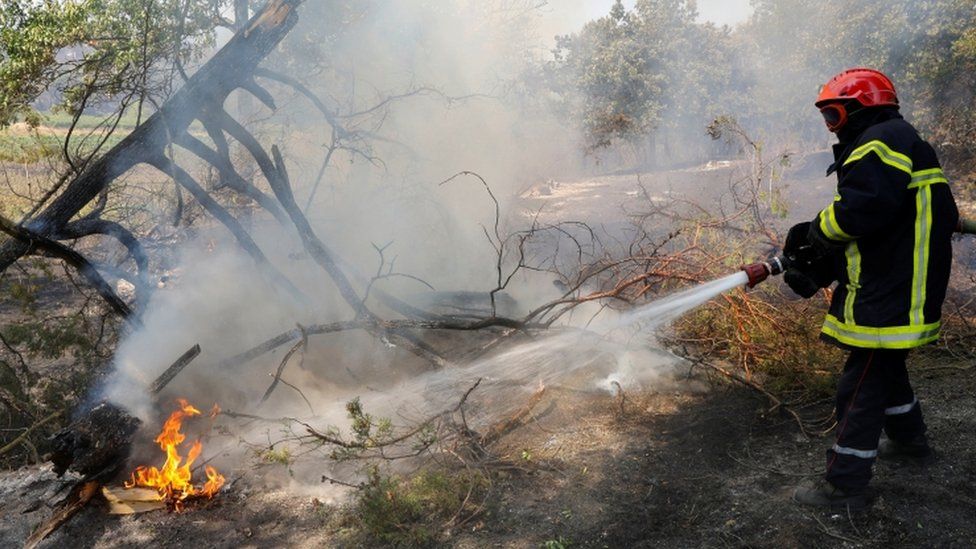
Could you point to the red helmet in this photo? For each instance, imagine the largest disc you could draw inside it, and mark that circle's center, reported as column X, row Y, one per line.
column 868, row 87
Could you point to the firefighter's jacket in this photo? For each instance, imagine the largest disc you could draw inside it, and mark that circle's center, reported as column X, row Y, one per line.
column 893, row 218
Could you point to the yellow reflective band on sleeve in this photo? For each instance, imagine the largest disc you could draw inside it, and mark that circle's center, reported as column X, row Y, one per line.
column 891, row 337
column 853, row 255
column 829, row 226
column 925, row 178
column 884, row 152
column 920, row 255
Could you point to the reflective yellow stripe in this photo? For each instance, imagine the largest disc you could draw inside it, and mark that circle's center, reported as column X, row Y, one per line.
column 884, row 152
column 829, row 226
column 853, row 280
column 925, row 178
column 892, row 337
column 920, row 255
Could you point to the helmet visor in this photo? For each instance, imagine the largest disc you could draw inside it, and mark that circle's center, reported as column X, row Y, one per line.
column 835, row 115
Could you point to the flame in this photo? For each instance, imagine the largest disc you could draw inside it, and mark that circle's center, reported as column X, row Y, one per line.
column 173, row 480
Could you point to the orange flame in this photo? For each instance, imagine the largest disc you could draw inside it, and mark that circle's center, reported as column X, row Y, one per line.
column 173, row 480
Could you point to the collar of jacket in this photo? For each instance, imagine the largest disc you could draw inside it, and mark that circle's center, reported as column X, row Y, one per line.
column 851, row 134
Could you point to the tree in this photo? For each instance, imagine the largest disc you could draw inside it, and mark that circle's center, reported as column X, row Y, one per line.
column 98, row 52
column 645, row 73
column 616, row 73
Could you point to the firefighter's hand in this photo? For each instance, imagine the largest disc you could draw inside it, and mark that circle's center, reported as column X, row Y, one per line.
column 801, row 283
column 798, row 249
column 796, row 238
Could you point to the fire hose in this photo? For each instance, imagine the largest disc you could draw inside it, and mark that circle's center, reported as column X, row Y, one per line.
column 761, row 270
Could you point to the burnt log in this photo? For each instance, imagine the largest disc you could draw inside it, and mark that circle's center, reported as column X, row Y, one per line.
column 229, row 69
column 97, row 444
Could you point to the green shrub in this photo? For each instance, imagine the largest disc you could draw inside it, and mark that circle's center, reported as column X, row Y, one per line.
column 414, row 511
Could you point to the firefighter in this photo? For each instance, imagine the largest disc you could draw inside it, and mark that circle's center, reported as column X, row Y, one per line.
column 885, row 239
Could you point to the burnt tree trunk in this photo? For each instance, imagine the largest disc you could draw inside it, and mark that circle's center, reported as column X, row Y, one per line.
column 95, row 445
column 229, row 69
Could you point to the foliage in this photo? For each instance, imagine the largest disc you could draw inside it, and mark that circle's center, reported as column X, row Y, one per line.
column 632, row 72
column 27, row 149
column 413, row 511
column 279, row 456
column 31, row 149
column 87, row 52
column 67, row 352
column 655, row 73
column 558, row 543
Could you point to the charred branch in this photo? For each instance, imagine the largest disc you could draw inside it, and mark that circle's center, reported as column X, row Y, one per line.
column 97, row 444
column 294, row 83
column 274, row 172
column 395, row 326
column 244, row 239
column 174, row 370
column 32, row 242
column 262, row 95
column 88, row 226
column 278, row 180
column 229, row 175
column 300, row 346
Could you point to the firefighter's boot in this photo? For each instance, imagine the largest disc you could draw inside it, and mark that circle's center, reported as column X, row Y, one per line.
column 915, row 452
column 828, row 496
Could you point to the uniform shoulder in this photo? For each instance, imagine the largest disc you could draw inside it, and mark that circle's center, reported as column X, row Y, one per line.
column 896, row 133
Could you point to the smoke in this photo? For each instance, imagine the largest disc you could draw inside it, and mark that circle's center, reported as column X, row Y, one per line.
column 421, row 92
column 416, row 92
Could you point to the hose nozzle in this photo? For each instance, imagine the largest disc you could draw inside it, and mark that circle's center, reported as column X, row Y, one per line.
column 757, row 272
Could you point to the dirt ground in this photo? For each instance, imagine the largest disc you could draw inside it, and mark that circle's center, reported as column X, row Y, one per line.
column 702, row 465
column 710, row 469
column 699, row 464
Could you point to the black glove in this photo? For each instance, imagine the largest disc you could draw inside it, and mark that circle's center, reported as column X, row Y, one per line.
column 798, row 248
column 810, row 267
column 801, row 283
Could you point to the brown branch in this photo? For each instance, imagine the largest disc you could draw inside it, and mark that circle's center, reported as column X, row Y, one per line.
column 23, row 436
column 374, row 444
column 506, row 426
column 81, row 494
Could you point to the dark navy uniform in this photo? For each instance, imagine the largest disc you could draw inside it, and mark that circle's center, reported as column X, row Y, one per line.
column 888, row 235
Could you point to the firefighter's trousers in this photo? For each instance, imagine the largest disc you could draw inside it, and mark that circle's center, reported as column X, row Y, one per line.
column 873, row 394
